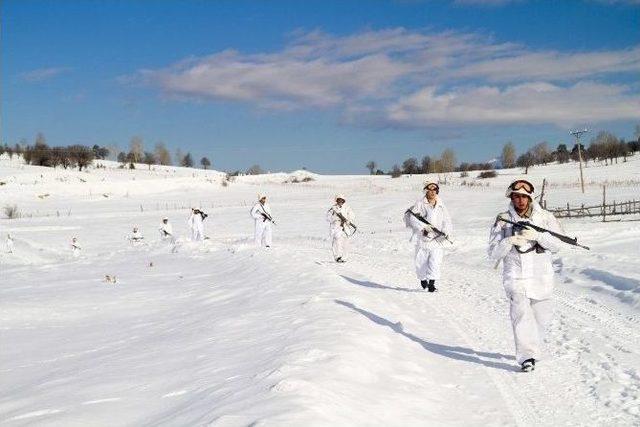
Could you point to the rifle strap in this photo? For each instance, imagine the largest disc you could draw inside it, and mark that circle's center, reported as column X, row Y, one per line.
column 539, row 249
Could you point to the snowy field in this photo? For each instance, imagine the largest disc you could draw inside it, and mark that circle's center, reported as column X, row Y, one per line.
column 222, row 333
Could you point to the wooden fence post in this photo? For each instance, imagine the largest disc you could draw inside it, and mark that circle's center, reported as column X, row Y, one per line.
column 544, row 184
column 604, row 203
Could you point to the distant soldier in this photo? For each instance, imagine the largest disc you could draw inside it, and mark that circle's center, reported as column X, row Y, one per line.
column 166, row 230
column 429, row 238
column 341, row 227
column 527, row 273
column 261, row 213
column 75, row 247
column 9, row 243
column 136, row 236
column 196, row 224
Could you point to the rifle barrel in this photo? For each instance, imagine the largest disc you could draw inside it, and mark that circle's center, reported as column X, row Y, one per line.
column 561, row 237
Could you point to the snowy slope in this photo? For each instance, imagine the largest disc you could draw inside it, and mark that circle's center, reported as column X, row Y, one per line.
column 226, row 334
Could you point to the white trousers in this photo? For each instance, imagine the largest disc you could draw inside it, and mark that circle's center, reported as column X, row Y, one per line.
column 529, row 318
column 428, row 263
column 197, row 233
column 338, row 244
column 262, row 233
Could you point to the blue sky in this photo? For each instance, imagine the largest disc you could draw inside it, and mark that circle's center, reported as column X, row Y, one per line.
column 327, row 85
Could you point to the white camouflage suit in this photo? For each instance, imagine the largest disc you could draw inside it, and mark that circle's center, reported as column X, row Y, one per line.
column 429, row 252
column 166, row 231
column 336, row 231
column 527, row 278
column 197, row 227
column 262, row 231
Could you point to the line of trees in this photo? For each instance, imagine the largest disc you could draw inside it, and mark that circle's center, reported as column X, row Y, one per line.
column 159, row 156
column 604, row 147
column 445, row 163
column 41, row 154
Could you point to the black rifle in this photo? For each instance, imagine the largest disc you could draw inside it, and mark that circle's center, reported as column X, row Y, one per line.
column 344, row 221
column 524, row 224
column 266, row 216
column 424, row 221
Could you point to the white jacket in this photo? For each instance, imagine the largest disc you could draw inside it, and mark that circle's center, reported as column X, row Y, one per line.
column 136, row 236
column 437, row 215
column 166, row 230
column 530, row 273
column 257, row 211
column 195, row 221
column 335, row 224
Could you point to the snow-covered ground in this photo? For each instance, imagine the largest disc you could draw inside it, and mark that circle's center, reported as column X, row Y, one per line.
column 227, row 334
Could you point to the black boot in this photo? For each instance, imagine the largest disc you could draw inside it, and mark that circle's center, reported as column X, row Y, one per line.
column 424, row 284
column 432, row 285
column 528, row 365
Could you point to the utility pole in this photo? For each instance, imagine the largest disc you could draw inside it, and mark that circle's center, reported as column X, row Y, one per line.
column 578, row 134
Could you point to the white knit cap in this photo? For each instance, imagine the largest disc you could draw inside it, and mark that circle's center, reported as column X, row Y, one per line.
column 340, row 196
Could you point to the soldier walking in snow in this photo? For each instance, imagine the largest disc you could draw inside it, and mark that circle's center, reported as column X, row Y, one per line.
column 166, row 230
column 261, row 213
column 136, row 236
column 527, row 273
column 9, row 243
column 196, row 224
column 75, row 247
column 431, row 224
column 340, row 217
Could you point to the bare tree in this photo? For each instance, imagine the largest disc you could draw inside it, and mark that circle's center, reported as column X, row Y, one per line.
column 525, row 161
column 136, row 148
column 40, row 139
column 149, row 159
column 162, row 154
column 426, row 166
column 410, row 166
column 508, row 156
column 371, row 165
column 122, row 157
column 58, row 155
column 205, row 163
column 81, row 155
column 540, row 153
column 562, row 154
column 113, row 151
column 448, row 160
column 187, row 161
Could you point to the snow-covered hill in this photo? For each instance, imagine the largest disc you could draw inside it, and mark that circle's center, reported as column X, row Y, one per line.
column 227, row 334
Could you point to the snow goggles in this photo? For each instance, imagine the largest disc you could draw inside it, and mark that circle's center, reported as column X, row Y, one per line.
column 433, row 187
column 520, row 186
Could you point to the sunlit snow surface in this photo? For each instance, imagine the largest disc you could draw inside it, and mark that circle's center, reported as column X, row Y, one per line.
column 227, row 334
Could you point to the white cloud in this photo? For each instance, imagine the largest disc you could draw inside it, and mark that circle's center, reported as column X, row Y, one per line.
column 553, row 65
column 42, row 74
column 527, row 103
column 279, row 80
column 380, row 73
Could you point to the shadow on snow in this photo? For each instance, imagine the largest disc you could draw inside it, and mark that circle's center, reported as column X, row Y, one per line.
column 452, row 352
column 368, row 284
